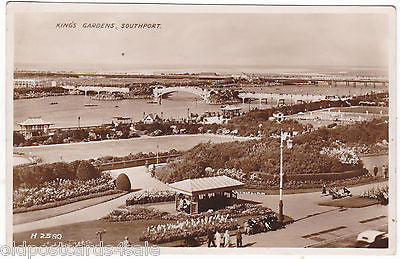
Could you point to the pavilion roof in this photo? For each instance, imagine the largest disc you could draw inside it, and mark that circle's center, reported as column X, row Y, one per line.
column 34, row 121
column 206, row 185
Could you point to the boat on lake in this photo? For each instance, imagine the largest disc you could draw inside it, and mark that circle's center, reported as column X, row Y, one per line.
column 106, row 97
column 90, row 105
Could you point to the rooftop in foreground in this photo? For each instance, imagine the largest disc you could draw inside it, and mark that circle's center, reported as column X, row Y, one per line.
column 206, row 185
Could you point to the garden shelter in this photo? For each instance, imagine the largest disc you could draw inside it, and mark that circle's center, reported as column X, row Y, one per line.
column 230, row 111
column 34, row 126
column 205, row 193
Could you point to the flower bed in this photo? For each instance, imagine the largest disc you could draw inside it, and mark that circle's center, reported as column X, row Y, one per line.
column 137, row 213
column 346, row 155
column 380, row 193
column 150, row 197
column 188, row 229
column 60, row 190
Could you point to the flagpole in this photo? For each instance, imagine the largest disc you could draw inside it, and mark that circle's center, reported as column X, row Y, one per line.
column 281, row 183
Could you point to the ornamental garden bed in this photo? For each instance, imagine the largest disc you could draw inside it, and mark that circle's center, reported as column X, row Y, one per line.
column 188, row 227
column 150, row 197
column 378, row 193
column 101, row 196
column 60, row 192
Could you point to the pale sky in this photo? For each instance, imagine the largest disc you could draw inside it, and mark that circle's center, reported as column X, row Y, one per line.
column 201, row 40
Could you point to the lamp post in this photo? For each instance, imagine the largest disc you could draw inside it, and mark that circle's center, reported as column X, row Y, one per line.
column 100, row 235
column 289, row 145
column 157, row 153
column 281, row 183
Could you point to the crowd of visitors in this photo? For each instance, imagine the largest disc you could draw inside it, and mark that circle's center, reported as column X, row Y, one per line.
column 218, row 240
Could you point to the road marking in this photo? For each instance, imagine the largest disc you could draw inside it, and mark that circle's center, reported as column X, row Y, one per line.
column 338, row 238
column 372, row 219
column 323, row 232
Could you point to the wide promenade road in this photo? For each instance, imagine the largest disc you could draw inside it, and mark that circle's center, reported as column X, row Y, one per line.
column 314, row 223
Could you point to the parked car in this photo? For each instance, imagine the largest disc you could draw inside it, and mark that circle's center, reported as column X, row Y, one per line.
column 372, row 239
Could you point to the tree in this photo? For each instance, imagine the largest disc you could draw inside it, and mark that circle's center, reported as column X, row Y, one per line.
column 86, row 171
column 123, row 183
column 18, row 138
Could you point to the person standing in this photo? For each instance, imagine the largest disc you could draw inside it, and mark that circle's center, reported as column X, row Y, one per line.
column 324, row 189
column 246, row 228
column 238, row 237
column 210, row 237
column 126, row 242
column 227, row 240
column 376, row 170
column 218, row 239
column 384, row 171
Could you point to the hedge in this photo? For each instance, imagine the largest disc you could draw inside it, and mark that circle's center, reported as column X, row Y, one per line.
column 134, row 162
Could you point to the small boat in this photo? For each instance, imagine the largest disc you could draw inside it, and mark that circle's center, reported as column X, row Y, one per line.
column 53, row 103
column 90, row 105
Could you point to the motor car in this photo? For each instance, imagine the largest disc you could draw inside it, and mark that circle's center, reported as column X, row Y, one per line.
column 372, row 239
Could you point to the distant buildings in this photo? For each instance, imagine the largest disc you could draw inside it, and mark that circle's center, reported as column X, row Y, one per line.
column 230, row 111
column 31, row 83
column 20, row 83
column 119, row 120
column 149, row 118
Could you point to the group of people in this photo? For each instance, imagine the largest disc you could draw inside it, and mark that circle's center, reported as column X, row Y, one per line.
column 335, row 192
column 260, row 224
column 384, row 171
column 184, row 205
column 218, row 240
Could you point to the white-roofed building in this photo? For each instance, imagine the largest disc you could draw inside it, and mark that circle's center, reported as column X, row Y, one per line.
column 34, row 126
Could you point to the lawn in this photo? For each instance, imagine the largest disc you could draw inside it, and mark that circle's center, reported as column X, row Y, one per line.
column 350, row 202
column 362, row 109
column 115, row 232
column 87, row 150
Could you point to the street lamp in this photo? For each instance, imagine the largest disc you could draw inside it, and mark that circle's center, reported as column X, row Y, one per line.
column 100, row 235
column 157, row 153
column 289, row 145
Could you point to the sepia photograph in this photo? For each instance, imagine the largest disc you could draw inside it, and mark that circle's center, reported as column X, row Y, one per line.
column 228, row 129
